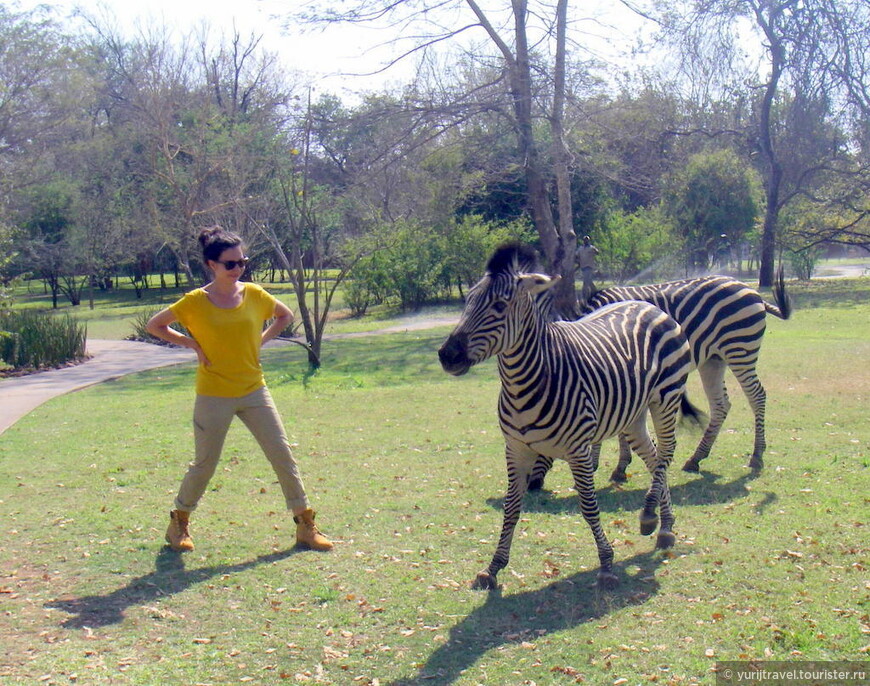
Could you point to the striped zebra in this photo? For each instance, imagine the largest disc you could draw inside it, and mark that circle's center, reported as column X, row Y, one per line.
column 724, row 321
column 568, row 385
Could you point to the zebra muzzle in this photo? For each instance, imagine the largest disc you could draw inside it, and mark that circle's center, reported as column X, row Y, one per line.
column 453, row 355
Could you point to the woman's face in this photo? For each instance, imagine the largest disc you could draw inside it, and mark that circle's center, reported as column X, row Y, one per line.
column 231, row 264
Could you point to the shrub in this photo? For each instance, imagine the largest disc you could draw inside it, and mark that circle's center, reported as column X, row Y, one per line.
column 803, row 262
column 41, row 340
column 140, row 334
column 8, row 344
column 358, row 296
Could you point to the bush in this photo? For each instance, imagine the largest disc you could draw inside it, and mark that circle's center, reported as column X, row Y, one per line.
column 358, row 296
column 638, row 246
column 140, row 334
column 41, row 340
column 8, row 344
column 803, row 262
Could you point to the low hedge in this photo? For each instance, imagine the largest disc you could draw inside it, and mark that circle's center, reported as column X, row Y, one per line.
column 33, row 339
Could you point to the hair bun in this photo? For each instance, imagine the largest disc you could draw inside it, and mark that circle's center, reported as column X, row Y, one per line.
column 206, row 235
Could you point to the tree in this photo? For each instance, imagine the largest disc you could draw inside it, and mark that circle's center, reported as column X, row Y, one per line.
column 814, row 52
column 33, row 67
column 197, row 124
column 535, row 83
column 713, row 203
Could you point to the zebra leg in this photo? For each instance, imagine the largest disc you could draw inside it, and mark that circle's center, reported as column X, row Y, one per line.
column 664, row 417
column 581, row 470
column 666, row 538
column 618, row 475
column 713, row 378
column 757, row 397
column 542, row 466
column 638, row 439
column 596, row 456
column 519, row 465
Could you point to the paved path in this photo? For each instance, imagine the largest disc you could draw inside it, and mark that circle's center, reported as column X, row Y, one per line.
column 113, row 359
column 110, row 360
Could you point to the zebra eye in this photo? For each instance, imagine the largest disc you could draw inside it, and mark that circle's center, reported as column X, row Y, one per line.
column 499, row 306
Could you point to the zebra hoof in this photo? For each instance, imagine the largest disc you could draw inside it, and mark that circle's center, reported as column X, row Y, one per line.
column 618, row 477
column 536, row 484
column 648, row 524
column 607, row 580
column 484, row 582
column 692, row 466
column 665, row 540
column 755, row 463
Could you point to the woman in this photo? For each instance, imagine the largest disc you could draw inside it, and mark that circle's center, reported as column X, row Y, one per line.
column 225, row 320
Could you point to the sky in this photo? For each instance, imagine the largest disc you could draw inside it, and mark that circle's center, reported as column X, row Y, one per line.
column 327, row 58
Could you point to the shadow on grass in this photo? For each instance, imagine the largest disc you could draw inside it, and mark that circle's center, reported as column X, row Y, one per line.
column 563, row 604
column 168, row 578
column 705, row 490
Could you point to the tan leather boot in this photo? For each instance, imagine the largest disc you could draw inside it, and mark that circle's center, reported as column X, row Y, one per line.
column 178, row 533
column 307, row 532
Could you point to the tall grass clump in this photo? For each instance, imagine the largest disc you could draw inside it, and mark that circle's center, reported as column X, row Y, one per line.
column 35, row 339
column 140, row 333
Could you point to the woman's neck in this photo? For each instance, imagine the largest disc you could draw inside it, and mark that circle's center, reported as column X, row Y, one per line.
column 226, row 288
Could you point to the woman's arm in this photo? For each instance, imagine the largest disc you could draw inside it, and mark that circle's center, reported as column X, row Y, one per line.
column 158, row 326
column 283, row 318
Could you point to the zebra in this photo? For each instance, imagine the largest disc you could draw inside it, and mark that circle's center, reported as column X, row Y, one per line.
column 724, row 320
column 568, row 385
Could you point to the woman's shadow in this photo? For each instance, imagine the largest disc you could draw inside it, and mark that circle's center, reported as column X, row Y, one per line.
column 168, row 578
column 563, row 604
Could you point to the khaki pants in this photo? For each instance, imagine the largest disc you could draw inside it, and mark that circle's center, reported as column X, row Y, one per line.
column 211, row 421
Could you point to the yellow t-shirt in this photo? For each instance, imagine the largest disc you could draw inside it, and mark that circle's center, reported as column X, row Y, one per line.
column 230, row 338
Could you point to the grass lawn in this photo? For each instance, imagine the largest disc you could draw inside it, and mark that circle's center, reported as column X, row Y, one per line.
column 405, row 467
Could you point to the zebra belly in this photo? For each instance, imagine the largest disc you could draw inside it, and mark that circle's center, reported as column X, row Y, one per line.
column 544, row 430
column 557, row 441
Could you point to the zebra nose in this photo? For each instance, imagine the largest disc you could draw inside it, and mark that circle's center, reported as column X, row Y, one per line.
column 453, row 351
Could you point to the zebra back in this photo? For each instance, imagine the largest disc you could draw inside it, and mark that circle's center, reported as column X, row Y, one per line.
column 599, row 373
column 719, row 315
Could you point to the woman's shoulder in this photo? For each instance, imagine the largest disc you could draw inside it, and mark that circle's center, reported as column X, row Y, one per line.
column 195, row 294
column 256, row 290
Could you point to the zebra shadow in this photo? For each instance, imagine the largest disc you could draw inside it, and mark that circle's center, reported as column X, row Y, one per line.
column 527, row 616
column 168, row 578
column 707, row 489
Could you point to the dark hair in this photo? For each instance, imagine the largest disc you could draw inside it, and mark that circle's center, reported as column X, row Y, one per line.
column 214, row 240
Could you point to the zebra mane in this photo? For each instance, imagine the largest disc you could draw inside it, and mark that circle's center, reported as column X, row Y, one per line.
column 513, row 257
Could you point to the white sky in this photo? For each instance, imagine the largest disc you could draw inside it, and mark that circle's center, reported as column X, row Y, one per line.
column 328, row 57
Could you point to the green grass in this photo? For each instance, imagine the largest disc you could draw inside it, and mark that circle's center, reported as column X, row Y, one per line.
column 404, row 465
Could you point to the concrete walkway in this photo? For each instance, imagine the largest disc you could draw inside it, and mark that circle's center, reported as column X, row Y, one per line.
column 113, row 359
column 110, row 360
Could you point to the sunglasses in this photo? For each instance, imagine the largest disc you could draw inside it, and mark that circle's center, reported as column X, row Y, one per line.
column 229, row 265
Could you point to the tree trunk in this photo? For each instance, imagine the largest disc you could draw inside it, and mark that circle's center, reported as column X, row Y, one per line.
column 518, row 65
column 564, row 258
column 773, row 170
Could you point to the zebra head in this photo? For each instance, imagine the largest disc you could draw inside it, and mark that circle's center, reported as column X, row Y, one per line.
column 496, row 309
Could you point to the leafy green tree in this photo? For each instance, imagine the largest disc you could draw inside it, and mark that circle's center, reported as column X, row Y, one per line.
column 713, row 203
column 639, row 246
column 470, row 241
column 814, row 54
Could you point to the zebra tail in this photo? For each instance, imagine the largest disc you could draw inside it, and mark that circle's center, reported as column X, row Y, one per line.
column 692, row 415
column 782, row 309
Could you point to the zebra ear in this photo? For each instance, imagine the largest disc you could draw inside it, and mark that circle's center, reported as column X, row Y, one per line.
column 537, row 283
